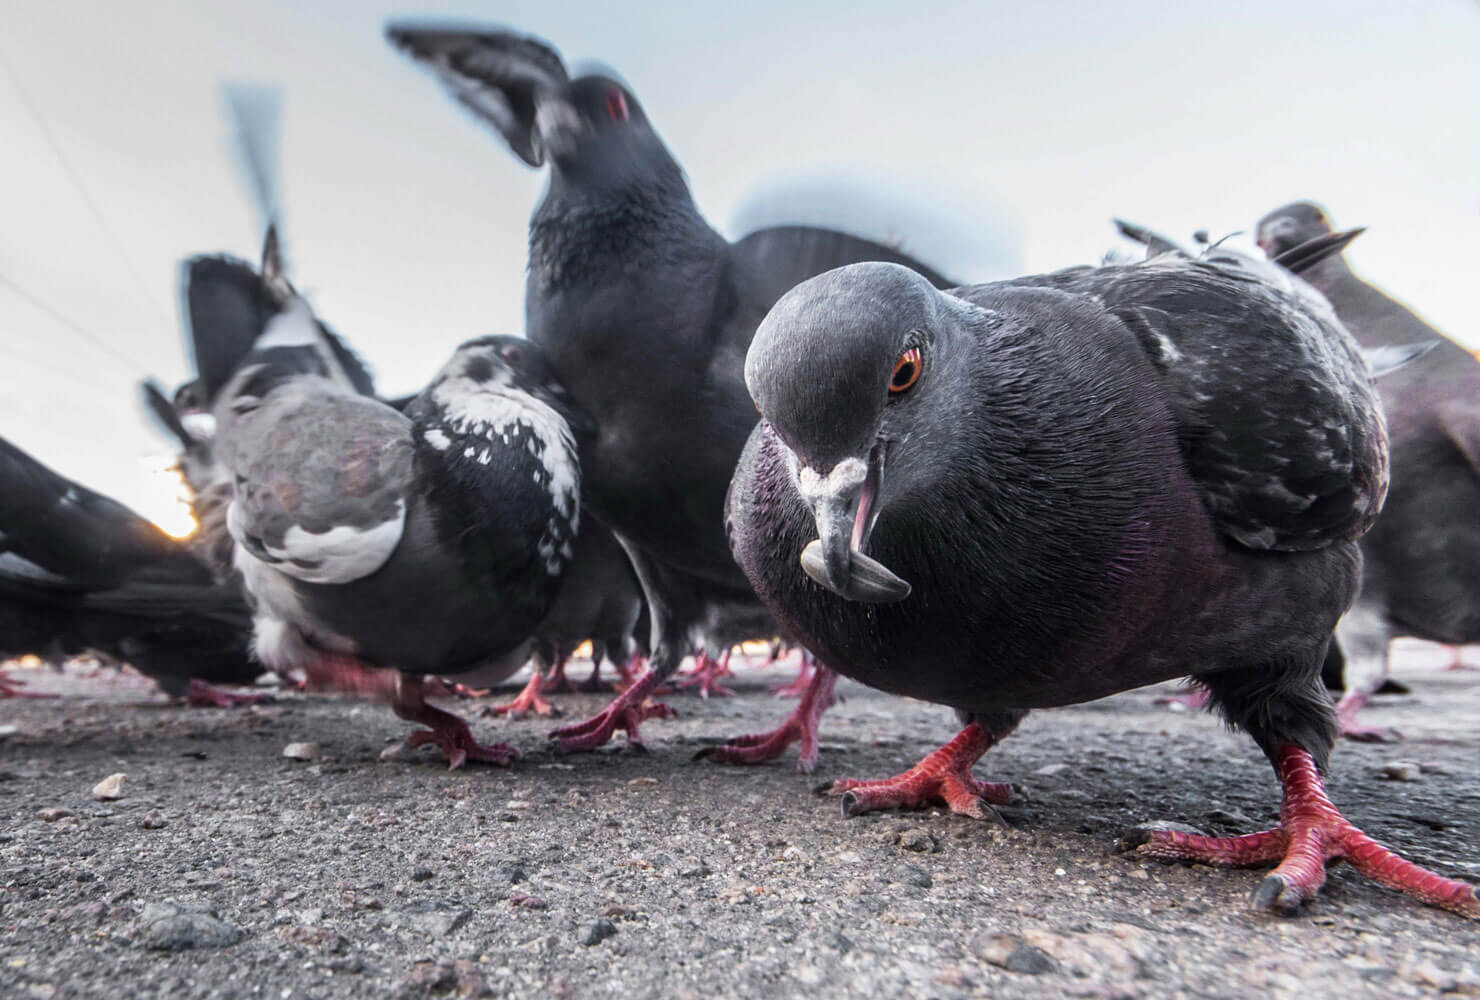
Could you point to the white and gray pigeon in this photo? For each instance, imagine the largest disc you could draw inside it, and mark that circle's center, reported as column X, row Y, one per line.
column 428, row 541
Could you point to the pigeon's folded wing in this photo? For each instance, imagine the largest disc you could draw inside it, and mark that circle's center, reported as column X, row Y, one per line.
column 1276, row 411
column 321, row 482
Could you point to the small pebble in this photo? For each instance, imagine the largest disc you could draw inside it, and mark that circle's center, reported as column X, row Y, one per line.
column 1401, row 770
column 152, row 821
column 53, row 813
column 638, row 782
column 303, row 751
column 109, row 788
column 598, row 932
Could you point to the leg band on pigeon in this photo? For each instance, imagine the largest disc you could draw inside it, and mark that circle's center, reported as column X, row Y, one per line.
column 528, row 701
column 801, row 725
column 1312, row 833
column 627, row 711
column 944, row 776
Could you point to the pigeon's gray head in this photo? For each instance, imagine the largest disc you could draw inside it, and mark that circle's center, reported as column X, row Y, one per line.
column 1291, row 225
column 589, row 128
column 855, row 371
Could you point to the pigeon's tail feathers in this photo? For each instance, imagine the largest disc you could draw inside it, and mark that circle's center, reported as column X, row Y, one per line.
column 1299, row 259
column 160, row 407
column 1154, row 242
column 255, row 112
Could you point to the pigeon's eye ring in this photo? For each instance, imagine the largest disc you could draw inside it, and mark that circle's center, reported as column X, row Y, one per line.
column 512, row 354
column 906, row 371
column 616, row 105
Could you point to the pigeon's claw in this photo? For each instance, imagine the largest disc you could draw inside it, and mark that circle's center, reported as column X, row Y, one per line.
column 452, row 736
column 627, row 711
column 1312, row 833
column 944, row 776
column 530, row 700
column 706, row 675
column 801, row 725
column 199, row 694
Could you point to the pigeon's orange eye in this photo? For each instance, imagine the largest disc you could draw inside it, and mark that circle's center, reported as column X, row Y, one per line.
column 906, row 371
column 616, row 105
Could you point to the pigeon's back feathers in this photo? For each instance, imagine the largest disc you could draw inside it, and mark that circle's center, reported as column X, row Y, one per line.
column 1294, row 458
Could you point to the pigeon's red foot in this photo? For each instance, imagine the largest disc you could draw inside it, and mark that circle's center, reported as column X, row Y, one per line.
column 199, row 694
column 1349, row 728
column 627, row 711
column 801, row 724
column 452, row 737
column 628, row 672
column 1311, row 834
column 1457, row 659
column 944, row 776
column 706, row 674
column 1189, row 698
column 530, row 700
column 436, row 687
column 12, row 688
column 799, row 686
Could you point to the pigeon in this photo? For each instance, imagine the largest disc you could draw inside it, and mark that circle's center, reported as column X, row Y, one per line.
column 427, row 542
column 1421, row 570
column 1043, row 491
column 646, row 313
column 598, row 600
column 81, row 573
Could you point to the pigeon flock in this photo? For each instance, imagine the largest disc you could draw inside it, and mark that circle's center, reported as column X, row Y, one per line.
column 1254, row 471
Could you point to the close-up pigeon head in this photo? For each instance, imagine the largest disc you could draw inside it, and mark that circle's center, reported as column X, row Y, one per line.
column 486, row 373
column 854, row 371
column 1291, row 225
column 590, row 127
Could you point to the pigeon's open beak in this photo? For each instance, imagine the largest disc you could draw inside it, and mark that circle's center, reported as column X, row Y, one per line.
column 843, row 503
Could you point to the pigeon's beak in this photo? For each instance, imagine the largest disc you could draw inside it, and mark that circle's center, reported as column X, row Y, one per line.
column 842, row 502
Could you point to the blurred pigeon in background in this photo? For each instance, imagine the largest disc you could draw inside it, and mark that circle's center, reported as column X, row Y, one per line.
column 1421, row 574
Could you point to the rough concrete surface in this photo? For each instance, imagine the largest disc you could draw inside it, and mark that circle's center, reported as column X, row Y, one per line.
column 229, row 870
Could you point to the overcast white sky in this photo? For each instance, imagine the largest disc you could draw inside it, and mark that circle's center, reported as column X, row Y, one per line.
column 1023, row 126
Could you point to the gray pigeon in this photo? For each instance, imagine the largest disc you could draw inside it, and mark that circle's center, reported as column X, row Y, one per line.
column 1043, row 491
column 1421, row 574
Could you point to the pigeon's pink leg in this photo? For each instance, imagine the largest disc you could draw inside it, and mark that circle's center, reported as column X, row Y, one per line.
column 529, row 700
column 944, row 776
column 555, row 681
column 798, row 687
column 199, row 694
column 802, row 724
column 1457, row 659
column 1312, row 833
column 407, row 696
column 706, row 675
column 627, row 711
column 1347, row 725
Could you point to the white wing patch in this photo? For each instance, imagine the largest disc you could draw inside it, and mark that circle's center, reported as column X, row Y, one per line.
column 340, row 555
column 293, row 327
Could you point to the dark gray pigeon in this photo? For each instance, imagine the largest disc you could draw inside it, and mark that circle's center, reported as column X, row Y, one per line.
column 427, row 541
column 81, row 573
column 646, row 313
column 1421, row 574
column 1040, row 492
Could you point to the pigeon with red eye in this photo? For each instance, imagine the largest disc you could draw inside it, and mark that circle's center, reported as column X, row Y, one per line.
column 1421, row 569
column 645, row 311
column 1043, row 491
column 426, row 542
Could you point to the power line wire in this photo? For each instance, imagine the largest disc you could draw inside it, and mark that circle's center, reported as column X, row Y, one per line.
column 41, row 306
column 97, row 213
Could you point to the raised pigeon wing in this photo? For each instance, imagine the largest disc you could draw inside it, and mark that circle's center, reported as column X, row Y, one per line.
column 494, row 73
column 778, row 258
